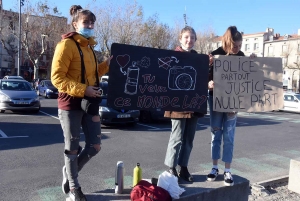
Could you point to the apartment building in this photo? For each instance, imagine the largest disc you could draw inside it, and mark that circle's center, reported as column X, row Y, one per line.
column 252, row 43
column 7, row 61
column 286, row 47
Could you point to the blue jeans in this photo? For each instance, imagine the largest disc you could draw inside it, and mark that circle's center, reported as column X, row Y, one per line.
column 71, row 121
column 222, row 126
column 181, row 142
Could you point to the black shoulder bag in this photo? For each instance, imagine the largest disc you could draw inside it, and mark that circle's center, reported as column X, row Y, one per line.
column 90, row 105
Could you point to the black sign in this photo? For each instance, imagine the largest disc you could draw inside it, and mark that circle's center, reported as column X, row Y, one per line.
column 147, row 78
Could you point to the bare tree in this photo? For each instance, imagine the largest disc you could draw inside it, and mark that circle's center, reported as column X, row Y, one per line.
column 126, row 23
column 154, row 34
column 117, row 23
column 42, row 28
column 104, row 28
column 204, row 41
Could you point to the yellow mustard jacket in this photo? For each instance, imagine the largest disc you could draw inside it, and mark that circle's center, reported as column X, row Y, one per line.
column 66, row 66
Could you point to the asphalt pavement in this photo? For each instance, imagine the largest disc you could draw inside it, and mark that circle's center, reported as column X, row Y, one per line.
column 31, row 155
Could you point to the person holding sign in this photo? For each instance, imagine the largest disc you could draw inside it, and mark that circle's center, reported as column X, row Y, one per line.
column 223, row 123
column 75, row 73
column 183, row 123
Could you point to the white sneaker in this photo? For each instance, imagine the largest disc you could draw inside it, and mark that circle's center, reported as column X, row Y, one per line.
column 212, row 175
column 228, row 179
column 65, row 183
column 77, row 195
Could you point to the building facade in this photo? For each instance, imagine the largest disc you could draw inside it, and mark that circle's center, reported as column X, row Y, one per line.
column 286, row 47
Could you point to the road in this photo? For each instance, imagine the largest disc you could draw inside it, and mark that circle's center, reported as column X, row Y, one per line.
column 31, row 155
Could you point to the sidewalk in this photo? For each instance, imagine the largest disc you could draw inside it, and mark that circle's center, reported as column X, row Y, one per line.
column 199, row 190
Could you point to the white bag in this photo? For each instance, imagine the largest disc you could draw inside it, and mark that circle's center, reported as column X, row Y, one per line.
column 170, row 183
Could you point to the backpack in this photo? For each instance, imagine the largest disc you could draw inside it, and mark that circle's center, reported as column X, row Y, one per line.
column 145, row 191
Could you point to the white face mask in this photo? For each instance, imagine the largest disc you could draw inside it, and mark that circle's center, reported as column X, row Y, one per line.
column 87, row 33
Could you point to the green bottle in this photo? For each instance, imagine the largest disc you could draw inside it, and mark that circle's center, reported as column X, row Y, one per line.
column 137, row 174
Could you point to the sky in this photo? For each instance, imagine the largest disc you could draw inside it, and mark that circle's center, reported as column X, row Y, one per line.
column 250, row 16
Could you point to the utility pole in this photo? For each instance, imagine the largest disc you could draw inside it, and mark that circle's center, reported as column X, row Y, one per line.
column 21, row 3
column 184, row 17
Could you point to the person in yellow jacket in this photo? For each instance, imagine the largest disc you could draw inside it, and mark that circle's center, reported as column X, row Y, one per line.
column 66, row 76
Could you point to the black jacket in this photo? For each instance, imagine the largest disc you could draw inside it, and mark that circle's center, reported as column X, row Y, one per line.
column 219, row 51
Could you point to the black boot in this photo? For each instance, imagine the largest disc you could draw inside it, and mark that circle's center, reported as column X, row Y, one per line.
column 184, row 174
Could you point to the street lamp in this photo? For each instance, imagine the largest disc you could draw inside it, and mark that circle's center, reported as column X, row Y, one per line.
column 19, row 43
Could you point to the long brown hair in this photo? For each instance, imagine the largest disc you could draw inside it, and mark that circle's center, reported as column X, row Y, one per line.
column 230, row 36
column 77, row 12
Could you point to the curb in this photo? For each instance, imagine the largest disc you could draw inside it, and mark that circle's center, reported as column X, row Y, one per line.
column 290, row 111
column 273, row 181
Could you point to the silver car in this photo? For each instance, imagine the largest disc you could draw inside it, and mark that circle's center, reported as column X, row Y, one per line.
column 17, row 95
column 13, row 77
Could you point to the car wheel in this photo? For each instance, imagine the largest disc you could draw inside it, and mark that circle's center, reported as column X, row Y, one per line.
column 131, row 124
column 145, row 116
column 2, row 111
column 35, row 111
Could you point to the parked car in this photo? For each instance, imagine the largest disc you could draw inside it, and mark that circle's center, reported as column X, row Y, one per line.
column 110, row 116
column 46, row 89
column 291, row 101
column 36, row 82
column 104, row 78
column 148, row 116
column 13, row 77
column 17, row 95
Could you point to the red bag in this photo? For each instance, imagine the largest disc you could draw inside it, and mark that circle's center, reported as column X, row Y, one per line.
column 145, row 191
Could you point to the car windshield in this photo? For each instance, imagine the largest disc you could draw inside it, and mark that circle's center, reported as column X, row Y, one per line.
column 15, row 86
column 48, row 83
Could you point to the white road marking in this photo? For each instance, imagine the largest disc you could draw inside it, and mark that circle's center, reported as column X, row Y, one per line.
column 101, row 133
column 50, row 115
column 242, row 123
column 202, row 125
column 5, row 136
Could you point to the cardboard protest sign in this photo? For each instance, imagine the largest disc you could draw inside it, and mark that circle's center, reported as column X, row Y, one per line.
column 244, row 84
column 144, row 78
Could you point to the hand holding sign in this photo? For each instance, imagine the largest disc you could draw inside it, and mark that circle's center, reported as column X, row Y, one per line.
column 123, row 60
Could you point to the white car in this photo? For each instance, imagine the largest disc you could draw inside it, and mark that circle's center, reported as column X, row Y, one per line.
column 291, row 101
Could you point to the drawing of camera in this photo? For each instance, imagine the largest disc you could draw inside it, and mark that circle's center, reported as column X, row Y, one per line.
column 182, row 78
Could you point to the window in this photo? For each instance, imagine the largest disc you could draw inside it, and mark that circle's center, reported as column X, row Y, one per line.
column 270, row 51
column 284, row 60
column 256, row 46
column 247, row 47
column 297, row 60
column 284, row 49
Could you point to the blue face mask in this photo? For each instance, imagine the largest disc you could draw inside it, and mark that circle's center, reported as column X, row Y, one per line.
column 87, row 33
